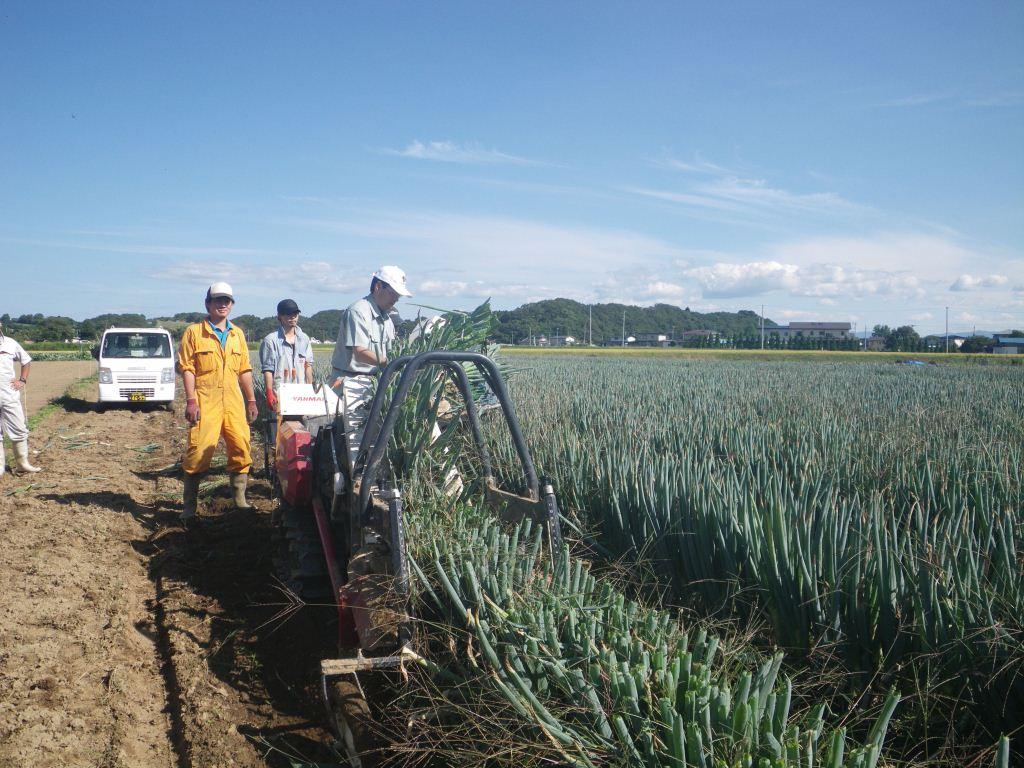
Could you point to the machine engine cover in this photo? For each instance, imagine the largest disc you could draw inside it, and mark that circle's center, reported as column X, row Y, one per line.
column 294, row 462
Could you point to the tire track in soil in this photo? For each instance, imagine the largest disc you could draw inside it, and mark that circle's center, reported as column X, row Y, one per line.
column 124, row 639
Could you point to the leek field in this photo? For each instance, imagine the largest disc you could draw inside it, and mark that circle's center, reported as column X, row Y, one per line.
column 793, row 563
column 867, row 520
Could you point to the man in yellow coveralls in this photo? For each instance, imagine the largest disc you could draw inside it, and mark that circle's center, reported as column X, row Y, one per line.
column 214, row 364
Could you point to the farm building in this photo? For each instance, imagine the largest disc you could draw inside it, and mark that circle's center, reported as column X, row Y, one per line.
column 1008, row 345
column 810, row 330
column 696, row 335
column 652, row 340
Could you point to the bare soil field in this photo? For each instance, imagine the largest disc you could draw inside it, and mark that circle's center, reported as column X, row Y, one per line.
column 51, row 378
column 126, row 640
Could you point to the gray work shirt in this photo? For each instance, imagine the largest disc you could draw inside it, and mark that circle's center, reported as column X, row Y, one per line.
column 362, row 325
column 277, row 353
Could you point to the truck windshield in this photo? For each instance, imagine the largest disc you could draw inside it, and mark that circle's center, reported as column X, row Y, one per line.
column 136, row 345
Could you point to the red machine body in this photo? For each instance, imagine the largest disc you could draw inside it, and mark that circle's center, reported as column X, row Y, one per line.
column 293, row 462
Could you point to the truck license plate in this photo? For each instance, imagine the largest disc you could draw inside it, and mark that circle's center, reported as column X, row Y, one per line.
column 137, row 397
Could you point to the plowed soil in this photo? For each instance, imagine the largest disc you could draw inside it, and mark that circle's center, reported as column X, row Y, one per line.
column 49, row 379
column 126, row 640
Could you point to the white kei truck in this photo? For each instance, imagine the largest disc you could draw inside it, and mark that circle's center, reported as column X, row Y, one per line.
column 136, row 366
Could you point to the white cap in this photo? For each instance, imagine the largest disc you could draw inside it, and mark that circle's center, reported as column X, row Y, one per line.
column 220, row 289
column 394, row 277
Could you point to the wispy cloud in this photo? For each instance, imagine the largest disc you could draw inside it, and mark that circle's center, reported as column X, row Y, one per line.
column 697, row 166
column 150, row 249
column 305, row 276
column 973, row 283
column 451, row 152
column 916, row 100
column 713, row 188
column 995, row 100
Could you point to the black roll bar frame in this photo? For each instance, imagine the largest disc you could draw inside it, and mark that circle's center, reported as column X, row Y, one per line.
column 378, row 432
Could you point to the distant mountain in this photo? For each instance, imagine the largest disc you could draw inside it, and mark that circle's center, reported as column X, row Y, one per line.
column 565, row 317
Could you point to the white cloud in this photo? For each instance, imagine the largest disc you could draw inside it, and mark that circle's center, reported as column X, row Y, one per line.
column 506, row 249
column 725, row 280
column 889, row 251
column 972, row 283
column 822, row 281
column 450, row 152
column 664, row 290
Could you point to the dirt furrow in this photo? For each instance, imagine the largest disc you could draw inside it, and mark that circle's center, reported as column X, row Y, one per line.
column 80, row 681
column 127, row 641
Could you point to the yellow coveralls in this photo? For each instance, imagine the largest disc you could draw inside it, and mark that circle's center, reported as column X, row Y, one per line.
column 221, row 405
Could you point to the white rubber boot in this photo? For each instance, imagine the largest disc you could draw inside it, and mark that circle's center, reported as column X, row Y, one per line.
column 3, row 457
column 238, row 483
column 21, row 451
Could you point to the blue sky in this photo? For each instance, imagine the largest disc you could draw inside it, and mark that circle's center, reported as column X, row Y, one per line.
column 860, row 162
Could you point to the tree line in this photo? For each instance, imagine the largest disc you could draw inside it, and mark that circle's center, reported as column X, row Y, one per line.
column 553, row 317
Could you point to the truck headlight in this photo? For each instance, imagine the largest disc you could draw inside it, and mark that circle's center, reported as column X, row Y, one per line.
column 106, row 377
column 167, row 376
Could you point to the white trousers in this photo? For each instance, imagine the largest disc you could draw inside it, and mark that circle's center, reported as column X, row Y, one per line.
column 12, row 417
column 356, row 395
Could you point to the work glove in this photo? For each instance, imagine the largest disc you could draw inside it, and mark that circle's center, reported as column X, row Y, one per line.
column 271, row 400
column 192, row 412
column 251, row 411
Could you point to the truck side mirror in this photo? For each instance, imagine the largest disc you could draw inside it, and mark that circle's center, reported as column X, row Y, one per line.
column 96, row 351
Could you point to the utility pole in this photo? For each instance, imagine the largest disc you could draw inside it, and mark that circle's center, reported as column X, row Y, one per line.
column 947, row 330
column 623, row 327
column 590, row 326
column 762, row 326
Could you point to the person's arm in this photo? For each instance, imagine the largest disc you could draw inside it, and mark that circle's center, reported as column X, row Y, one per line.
column 245, row 382
column 19, row 383
column 186, row 367
column 268, row 389
column 368, row 356
column 308, row 367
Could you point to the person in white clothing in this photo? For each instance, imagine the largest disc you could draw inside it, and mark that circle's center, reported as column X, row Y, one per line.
column 12, row 415
column 364, row 338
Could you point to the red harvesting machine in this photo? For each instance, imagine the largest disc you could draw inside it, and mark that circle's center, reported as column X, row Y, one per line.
column 342, row 518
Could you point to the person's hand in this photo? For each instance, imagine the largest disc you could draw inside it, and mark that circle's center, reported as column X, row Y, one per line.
column 271, row 400
column 251, row 411
column 17, row 385
column 192, row 412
